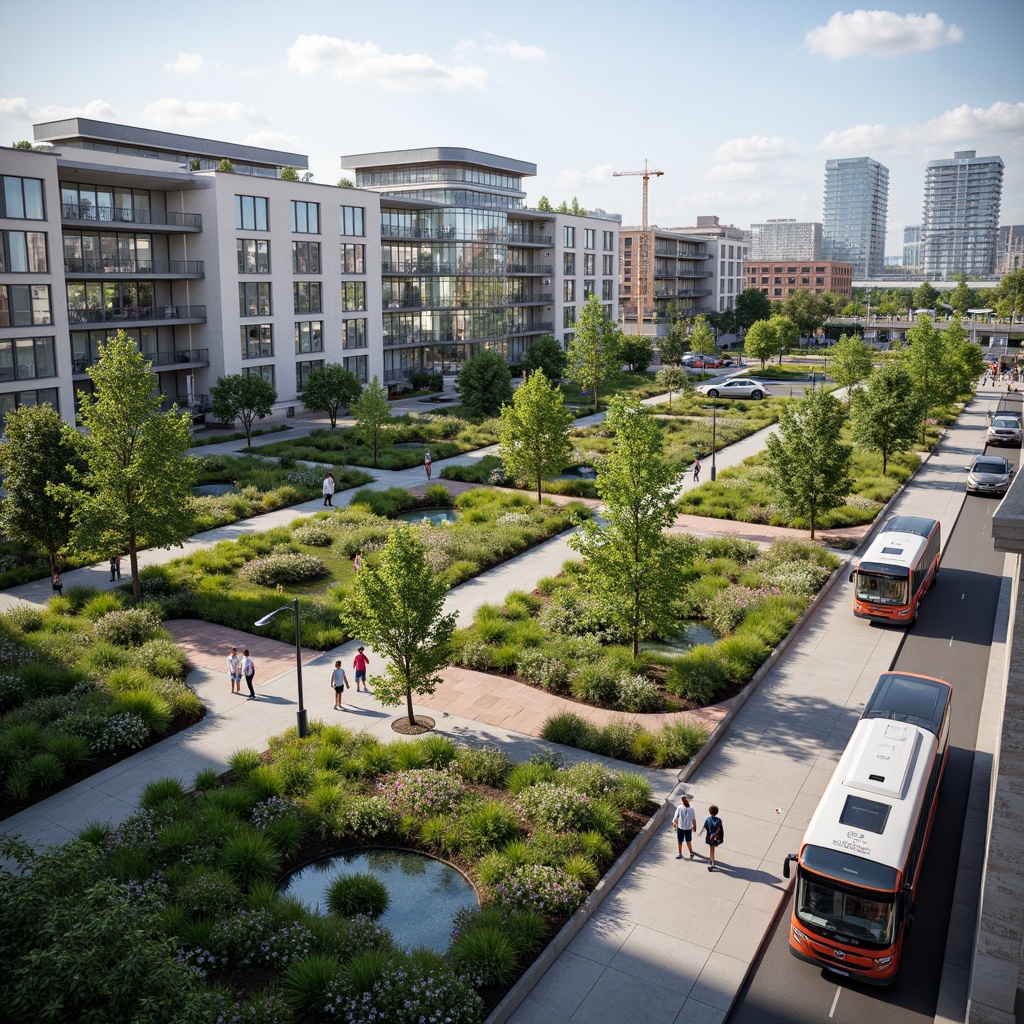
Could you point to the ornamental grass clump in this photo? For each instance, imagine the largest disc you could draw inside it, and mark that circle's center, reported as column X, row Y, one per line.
column 487, row 766
column 358, row 893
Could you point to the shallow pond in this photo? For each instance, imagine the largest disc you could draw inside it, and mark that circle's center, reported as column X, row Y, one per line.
column 213, row 489
column 425, row 893
column 577, row 473
column 693, row 634
column 433, row 516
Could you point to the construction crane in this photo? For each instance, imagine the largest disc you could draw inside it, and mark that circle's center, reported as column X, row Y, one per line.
column 646, row 174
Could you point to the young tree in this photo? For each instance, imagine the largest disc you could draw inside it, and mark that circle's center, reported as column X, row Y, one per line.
column 806, row 311
column 289, row 174
column 936, row 361
column 886, row 415
column 628, row 561
column 963, row 360
column 544, row 205
column 593, row 355
column 244, row 397
column 136, row 490
column 328, row 388
column 752, row 305
column 397, row 607
column 673, row 344
column 545, row 354
column 372, row 411
column 850, row 362
column 484, row 384
column 787, row 334
column 762, row 341
column 961, row 298
column 808, row 464
column 534, row 437
column 40, row 452
column 831, row 303
column 925, row 296
column 702, row 337
column 636, row 352
column 674, row 378
column 346, row 183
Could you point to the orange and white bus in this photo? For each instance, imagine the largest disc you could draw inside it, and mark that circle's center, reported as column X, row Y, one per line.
column 860, row 860
column 897, row 569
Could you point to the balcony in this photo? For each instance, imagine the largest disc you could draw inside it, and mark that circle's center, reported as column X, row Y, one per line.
column 176, row 360
column 135, row 268
column 514, row 238
column 75, row 213
column 425, row 302
column 531, row 300
column 139, row 314
column 488, row 269
column 448, row 338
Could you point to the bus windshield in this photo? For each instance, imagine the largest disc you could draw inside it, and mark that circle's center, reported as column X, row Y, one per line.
column 841, row 911
column 882, row 589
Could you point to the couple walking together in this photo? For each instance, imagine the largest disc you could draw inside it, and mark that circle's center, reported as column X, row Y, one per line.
column 685, row 821
column 239, row 667
column 340, row 681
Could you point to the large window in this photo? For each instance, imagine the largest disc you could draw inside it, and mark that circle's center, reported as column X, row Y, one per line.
column 608, row 243
column 569, row 316
column 266, row 372
column 109, row 251
column 305, row 257
column 27, row 358
column 356, row 365
column 23, row 252
column 353, row 258
column 607, row 267
column 306, row 217
column 309, row 336
column 569, row 290
column 254, row 298
column 352, row 220
column 569, row 237
column 353, row 296
column 589, row 263
column 16, row 399
column 22, row 305
column 589, row 238
column 588, row 289
column 253, row 255
column 606, row 289
column 569, row 262
column 257, row 341
column 353, row 333
column 251, row 213
column 22, row 198
column 308, row 297
column 304, row 369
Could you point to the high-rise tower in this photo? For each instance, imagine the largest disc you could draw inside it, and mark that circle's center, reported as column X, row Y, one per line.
column 856, row 204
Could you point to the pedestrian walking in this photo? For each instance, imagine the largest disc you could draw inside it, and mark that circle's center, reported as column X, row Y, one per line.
column 235, row 670
column 696, row 469
column 113, row 568
column 248, row 670
column 117, row 566
column 714, row 832
column 359, row 663
column 339, row 681
column 357, row 562
column 328, row 490
column 427, row 462
column 58, row 583
column 684, row 821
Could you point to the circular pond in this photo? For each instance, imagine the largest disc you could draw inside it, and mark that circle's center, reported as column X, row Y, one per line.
column 577, row 473
column 430, row 516
column 692, row 634
column 215, row 489
column 424, row 893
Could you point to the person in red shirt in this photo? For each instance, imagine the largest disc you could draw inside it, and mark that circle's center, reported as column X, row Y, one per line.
column 359, row 663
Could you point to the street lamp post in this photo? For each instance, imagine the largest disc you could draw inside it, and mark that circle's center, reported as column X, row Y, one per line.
column 300, row 715
column 714, row 418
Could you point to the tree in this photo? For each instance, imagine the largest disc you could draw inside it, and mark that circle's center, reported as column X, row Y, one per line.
column 136, row 490
column 544, row 205
column 484, row 383
column 752, row 305
column 924, row 297
column 563, row 207
column 328, row 388
column 372, row 411
column 289, row 174
column 242, row 396
column 850, row 362
column 831, row 303
column 226, row 165
column 1010, row 294
column 806, row 311
column 345, row 183
column 22, row 144
column 593, row 355
column 808, row 465
column 628, row 561
column 397, row 607
column 576, row 209
column 40, row 453
column 886, row 415
column 636, row 352
column 702, row 337
column 787, row 334
column 854, row 308
column 963, row 360
column 674, row 378
column 673, row 344
column 534, row 435
column 962, row 298
column 762, row 341
column 546, row 354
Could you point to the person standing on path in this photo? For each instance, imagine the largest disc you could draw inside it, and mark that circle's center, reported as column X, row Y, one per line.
column 117, row 566
column 113, row 567
column 328, row 489
column 235, row 670
column 714, row 832
column 58, row 583
column 427, row 462
column 339, row 681
column 357, row 561
column 359, row 663
column 684, row 820
column 696, row 469
column 248, row 670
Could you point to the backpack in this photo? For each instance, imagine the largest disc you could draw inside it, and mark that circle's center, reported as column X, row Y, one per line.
column 716, row 834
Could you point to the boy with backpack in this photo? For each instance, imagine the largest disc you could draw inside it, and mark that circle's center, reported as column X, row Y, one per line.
column 714, row 832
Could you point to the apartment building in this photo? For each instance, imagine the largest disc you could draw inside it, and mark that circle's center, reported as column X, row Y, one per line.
column 778, row 280
column 1010, row 249
column 785, row 238
column 733, row 247
column 913, row 257
column 856, row 208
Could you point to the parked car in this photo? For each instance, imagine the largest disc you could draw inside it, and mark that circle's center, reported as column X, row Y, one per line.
column 989, row 474
column 1004, row 430
column 695, row 360
column 735, row 387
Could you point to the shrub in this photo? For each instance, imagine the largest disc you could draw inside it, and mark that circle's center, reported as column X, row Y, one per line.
column 152, row 708
column 287, row 833
column 486, row 766
column 425, row 791
column 12, row 692
column 248, row 856
column 546, row 890
column 570, row 729
column 596, row 847
column 677, row 743
column 543, row 670
column 615, row 739
column 251, row 937
column 127, row 627
column 697, row 676
column 590, row 778
column 282, row 569
column 370, row 817
column 741, row 656
column 161, row 658
column 19, row 782
column 439, row 751
column 639, row 695
column 71, row 750
column 358, row 893
column 159, row 791
column 558, row 807
column 243, row 761
column 208, row 892
column 529, row 774
column 594, row 686
column 94, row 605
column 128, row 678
column 313, row 535
column 485, row 953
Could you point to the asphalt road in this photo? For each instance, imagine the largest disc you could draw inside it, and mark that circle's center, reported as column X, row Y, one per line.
column 951, row 641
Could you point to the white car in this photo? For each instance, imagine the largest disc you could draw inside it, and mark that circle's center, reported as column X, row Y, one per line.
column 735, row 387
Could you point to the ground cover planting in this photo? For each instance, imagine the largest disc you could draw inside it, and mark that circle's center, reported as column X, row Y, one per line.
column 184, row 896
column 237, row 435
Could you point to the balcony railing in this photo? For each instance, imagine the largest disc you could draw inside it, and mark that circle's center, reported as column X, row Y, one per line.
column 426, row 302
column 447, row 338
column 514, row 238
column 451, row 269
column 683, row 293
column 117, row 215
column 181, row 357
column 191, row 268
column 136, row 313
column 450, row 234
column 681, row 254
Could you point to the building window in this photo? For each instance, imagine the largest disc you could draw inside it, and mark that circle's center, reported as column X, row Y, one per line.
column 266, row 372
column 257, row 341
column 568, row 263
column 16, row 399
column 27, row 358
column 607, row 267
column 306, row 258
column 356, row 365
column 23, row 252
column 253, row 255
column 352, row 220
column 606, row 290
column 589, row 264
column 806, row 280
column 251, row 213
column 609, row 241
column 22, row 305
column 305, row 217
column 353, row 333
column 254, row 298
column 304, row 369
column 588, row 289
column 353, row 258
column 353, row 296
column 309, row 336
column 776, row 291
column 569, row 237
column 569, row 290
column 627, row 243
column 308, row 297
column 819, row 280
column 22, row 198
column 589, row 238
column 569, row 316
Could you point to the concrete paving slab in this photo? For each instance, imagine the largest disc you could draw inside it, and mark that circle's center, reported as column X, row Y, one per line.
column 616, row 997
column 663, row 960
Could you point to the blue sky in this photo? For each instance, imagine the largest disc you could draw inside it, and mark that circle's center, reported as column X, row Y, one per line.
column 739, row 103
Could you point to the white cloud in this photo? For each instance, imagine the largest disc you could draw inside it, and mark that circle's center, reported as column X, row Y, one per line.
column 572, row 179
column 15, row 106
column 18, row 106
column 512, row 48
column 756, row 147
column 185, row 64
column 367, row 65
column 187, row 114
column 272, row 140
column 880, row 34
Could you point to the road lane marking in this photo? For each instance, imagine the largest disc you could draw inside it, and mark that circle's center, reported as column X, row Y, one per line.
column 832, row 1012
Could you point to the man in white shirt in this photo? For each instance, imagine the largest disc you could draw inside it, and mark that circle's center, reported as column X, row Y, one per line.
column 248, row 670
column 235, row 670
column 684, row 821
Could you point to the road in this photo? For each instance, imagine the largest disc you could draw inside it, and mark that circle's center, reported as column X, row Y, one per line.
column 951, row 641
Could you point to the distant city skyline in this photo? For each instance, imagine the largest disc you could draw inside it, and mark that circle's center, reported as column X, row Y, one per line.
column 777, row 92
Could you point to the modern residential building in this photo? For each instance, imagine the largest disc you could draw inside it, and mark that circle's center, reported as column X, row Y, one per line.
column 856, row 206
column 961, row 215
column 733, row 248
column 785, row 239
column 913, row 256
column 778, row 280
column 1010, row 249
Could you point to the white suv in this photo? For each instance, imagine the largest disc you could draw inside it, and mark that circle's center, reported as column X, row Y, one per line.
column 1004, row 430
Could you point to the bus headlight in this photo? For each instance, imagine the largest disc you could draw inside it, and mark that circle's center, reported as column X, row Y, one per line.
column 799, row 935
column 883, row 961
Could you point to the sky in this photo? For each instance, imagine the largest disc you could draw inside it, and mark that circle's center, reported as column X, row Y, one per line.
column 738, row 103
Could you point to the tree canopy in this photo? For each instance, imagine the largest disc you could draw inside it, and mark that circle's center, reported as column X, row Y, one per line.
column 886, row 416
column 484, row 384
column 805, row 310
column 243, row 397
column 925, row 296
column 328, row 388
column 372, row 412
column 849, row 362
column 702, row 337
column 636, row 352
column 752, row 305
column 674, row 378
column 762, row 341
column 546, row 354
column 593, row 355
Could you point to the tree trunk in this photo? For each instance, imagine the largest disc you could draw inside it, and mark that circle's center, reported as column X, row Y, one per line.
column 408, row 704
column 133, row 561
column 539, row 500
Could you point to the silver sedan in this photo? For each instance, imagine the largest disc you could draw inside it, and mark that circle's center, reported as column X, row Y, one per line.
column 989, row 474
column 735, row 387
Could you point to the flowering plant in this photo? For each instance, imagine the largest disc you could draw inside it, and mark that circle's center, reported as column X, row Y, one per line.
column 285, row 567
column 538, row 887
column 424, row 791
column 560, row 808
